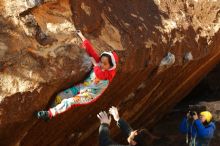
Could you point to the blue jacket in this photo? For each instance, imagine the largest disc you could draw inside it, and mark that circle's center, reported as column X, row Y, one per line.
column 198, row 130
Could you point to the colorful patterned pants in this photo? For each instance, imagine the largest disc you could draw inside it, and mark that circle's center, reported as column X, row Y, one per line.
column 69, row 98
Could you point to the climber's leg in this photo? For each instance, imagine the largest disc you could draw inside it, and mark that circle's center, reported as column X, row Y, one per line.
column 86, row 96
column 62, row 107
column 66, row 104
column 68, row 93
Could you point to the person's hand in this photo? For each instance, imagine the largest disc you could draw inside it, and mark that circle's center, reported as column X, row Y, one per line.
column 94, row 62
column 104, row 119
column 188, row 115
column 114, row 112
column 79, row 33
column 195, row 116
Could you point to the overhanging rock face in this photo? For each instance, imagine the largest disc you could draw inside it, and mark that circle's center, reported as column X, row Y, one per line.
column 165, row 48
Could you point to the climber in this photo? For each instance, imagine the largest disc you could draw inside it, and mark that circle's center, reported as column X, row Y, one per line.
column 104, row 70
column 134, row 137
column 199, row 130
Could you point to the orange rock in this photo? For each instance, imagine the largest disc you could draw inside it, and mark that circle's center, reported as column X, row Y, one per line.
column 146, row 30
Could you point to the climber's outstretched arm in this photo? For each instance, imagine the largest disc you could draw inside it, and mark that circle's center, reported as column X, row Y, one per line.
column 89, row 48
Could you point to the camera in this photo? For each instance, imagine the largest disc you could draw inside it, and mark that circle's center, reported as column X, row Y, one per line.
column 192, row 113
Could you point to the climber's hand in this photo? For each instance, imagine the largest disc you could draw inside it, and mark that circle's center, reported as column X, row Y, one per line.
column 195, row 116
column 79, row 33
column 94, row 62
column 104, row 118
column 114, row 112
column 188, row 115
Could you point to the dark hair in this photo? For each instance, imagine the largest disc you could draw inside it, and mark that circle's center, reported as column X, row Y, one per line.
column 109, row 59
column 143, row 138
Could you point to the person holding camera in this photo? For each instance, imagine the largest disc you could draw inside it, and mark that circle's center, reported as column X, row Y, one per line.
column 199, row 130
column 134, row 137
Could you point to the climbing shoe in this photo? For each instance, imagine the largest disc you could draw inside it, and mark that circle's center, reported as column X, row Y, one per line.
column 43, row 115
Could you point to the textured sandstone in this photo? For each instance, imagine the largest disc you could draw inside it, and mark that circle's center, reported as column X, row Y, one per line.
column 40, row 55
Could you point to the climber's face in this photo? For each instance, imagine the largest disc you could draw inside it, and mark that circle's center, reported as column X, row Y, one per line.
column 105, row 63
column 131, row 138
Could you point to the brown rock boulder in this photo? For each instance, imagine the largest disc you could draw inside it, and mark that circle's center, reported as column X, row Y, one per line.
column 165, row 48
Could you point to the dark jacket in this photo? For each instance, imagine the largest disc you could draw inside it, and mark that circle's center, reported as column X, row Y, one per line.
column 104, row 137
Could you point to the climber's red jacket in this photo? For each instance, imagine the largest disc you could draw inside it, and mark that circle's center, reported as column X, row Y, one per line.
column 101, row 74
